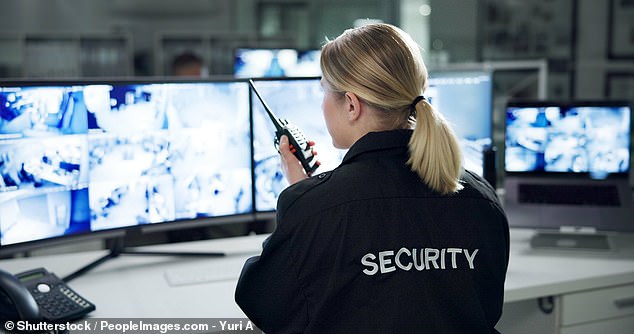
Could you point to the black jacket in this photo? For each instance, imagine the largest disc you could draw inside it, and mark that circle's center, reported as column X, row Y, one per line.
column 369, row 248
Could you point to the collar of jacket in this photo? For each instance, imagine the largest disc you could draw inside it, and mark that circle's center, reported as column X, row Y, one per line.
column 378, row 141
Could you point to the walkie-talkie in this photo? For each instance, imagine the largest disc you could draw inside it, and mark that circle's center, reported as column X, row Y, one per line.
column 299, row 145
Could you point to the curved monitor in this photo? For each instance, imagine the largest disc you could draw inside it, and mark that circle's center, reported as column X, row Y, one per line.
column 465, row 98
column 299, row 101
column 83, row 158
column 266, row 63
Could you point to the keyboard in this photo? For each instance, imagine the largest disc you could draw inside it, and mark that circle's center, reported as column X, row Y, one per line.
column 191, row 275
column 569, row 194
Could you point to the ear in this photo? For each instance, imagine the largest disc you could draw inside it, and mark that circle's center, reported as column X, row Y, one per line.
column 353, row 106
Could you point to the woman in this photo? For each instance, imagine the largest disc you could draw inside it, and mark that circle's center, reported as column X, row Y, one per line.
column 398, row 238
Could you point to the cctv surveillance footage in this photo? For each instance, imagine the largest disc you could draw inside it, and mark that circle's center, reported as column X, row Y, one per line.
column 267, row 63
column 568, row 139
column 82, row 158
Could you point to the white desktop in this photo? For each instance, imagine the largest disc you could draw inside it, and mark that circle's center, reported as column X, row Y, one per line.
column 180, row 287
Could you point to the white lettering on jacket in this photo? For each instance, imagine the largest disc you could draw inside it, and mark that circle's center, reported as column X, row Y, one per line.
column 420, row 259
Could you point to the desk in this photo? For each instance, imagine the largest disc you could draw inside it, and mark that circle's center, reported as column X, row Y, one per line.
column 137, row 286
column 584, row 286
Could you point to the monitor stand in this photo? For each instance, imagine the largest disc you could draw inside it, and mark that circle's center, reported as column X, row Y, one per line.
column 571, row 239
column 117, row 248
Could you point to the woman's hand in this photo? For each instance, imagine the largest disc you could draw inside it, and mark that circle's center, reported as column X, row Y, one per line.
column 291, row 166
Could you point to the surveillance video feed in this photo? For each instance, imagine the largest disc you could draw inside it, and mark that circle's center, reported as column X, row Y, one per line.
column 41, row 111
column 76, row 159
column 575, row 139
column 465, row 100
column 260, row 63
column 43, row 163
column 165, row 152
column 298, row 101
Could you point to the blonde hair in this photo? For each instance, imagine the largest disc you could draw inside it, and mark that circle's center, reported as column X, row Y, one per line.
column 383, row 66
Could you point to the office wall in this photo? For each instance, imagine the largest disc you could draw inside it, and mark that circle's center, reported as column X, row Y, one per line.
column 572, row 35
column 598, row 73
column 140, row 17
column 454, row 29
column 301, row 24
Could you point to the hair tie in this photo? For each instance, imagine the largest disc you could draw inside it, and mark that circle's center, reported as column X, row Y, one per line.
column 412, row 107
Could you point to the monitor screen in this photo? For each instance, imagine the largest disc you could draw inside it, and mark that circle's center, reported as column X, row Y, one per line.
column 299, row 101
column 466, row 100
column 259, row 63
column 77, row 158
column 574, row 137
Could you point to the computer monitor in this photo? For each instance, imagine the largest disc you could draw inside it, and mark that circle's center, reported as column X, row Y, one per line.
column 299, row 101
column 465, row 98
column 260, row 63
column 80, row 158
column 581, row 137
column 567, row 166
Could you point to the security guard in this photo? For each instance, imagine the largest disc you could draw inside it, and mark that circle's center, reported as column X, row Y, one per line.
column 398, row 238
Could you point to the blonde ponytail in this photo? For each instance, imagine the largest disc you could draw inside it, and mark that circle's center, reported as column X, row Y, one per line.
column 383, row 66
column 434, row 152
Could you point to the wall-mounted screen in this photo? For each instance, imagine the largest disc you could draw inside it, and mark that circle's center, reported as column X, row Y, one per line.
column 259, row 63
column 77, row 158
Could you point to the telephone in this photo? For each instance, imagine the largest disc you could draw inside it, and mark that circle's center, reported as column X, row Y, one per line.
column 300, row 146
column 38, row 295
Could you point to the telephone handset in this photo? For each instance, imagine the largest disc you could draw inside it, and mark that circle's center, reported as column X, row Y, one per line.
column 300, row 146
column 39, row 295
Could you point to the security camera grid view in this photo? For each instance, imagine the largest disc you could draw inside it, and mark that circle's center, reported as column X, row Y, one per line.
column 82, row 158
